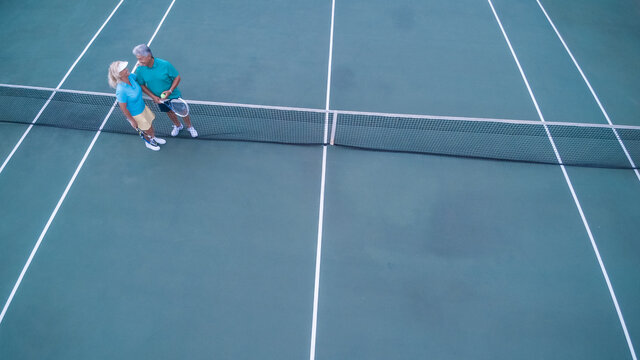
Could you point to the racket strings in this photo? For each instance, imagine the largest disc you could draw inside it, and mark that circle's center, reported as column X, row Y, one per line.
column 179, row 107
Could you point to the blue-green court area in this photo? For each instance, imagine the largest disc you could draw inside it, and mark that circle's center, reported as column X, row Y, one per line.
column 266, row 249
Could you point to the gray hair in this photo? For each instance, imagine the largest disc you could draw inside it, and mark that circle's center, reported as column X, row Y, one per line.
column 142, row 50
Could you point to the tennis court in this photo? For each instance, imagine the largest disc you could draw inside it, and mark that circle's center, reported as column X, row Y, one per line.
column 373, row 180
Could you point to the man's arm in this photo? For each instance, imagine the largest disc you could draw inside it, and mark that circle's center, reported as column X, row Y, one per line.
column 174, row 85
column 146, row 90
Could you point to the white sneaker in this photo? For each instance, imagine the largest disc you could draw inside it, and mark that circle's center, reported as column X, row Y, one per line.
column 152, row 147
column 176, row 130
column 193, row 132
column 160, row 141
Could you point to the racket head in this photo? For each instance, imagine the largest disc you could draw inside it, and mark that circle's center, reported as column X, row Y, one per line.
column 179, row 107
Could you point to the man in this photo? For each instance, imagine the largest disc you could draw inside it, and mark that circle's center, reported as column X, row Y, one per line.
column 159, row 80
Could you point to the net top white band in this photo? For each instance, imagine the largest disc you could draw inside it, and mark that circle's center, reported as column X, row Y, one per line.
column 349, row 112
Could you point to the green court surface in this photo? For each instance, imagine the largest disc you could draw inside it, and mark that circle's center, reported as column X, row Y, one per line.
column 256, row 250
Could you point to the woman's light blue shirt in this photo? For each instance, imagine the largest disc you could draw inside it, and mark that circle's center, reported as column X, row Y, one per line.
column 131, row 95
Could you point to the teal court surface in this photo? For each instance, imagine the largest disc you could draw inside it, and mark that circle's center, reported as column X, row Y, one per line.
column 321, row 214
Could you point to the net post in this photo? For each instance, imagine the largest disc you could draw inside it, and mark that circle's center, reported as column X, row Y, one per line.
column 326, row 127
column 334, row 125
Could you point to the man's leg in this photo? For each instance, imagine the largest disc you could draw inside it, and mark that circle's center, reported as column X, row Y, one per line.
column 174, row 119
column 187, row 120
column 178, row 125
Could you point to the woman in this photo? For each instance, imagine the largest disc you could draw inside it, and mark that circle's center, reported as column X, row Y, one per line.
column 129, row 96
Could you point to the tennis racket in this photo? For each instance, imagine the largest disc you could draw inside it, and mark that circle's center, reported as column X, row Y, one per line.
column 146, row 137
column 178, row 106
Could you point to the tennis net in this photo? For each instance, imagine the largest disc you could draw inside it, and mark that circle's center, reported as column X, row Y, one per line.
column 596, row 145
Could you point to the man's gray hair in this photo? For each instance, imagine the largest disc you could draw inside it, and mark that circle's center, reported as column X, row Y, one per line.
column 142, row 50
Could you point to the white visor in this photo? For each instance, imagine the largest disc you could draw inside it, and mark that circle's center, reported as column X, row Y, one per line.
column 123, row 65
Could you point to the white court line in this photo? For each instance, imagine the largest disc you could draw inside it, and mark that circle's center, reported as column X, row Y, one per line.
column 24, row 135
column 53, row 215
column 328, row 96
column 160, row 24
column 64, row 195
column 604, row 112
column 316, row 286
column 573, row 194
column 593, row 93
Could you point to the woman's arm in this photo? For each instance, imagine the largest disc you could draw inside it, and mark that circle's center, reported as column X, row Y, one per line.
column 146, row 90
column 127, row 114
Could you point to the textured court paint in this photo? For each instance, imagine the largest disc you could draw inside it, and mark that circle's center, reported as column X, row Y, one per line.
column 389, row 231
column 38, row 48
column 64, row 78
column 117, row 42
column 606, row 43
column 213, row 259
column 270, row 53
column 50, row 220
column 561, row 92
column 424, row 57
column 29, row 189
column 39, row 185
column 10, row 134
column 48, row 157
column 610, row 200
column 605, row 39
column 455, row 258
column 385, row 274
column 593, row 93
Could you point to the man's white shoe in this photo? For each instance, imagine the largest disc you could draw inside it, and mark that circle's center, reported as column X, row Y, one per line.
column 152, row 147
column 160, row 141
column 176, row 130
column 193, row 132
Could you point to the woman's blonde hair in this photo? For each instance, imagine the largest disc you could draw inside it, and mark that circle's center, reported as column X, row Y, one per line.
column 114, row 74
